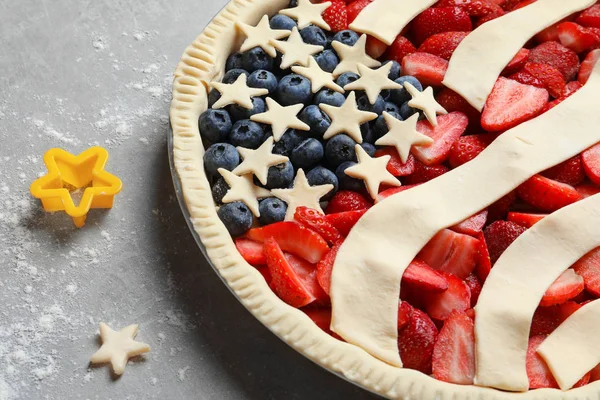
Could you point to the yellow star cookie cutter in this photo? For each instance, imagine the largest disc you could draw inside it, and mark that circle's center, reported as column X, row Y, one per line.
column 68, row 172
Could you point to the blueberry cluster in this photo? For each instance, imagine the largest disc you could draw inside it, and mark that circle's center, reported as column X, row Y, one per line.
column 324, row 161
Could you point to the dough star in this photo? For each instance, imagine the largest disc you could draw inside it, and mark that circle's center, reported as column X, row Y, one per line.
column 318, row 78
column 373, row 171
column 242, row 188
column 426, row 102
column 351, row 56
column 258, row 161
column 281, row 118
column 307, row 13
column 347, row 118
column 294, row 50
column 118, row 347
column 403, row 135
column 261, row 35
column 237, row 92
column 373, row 81
column 302, row 194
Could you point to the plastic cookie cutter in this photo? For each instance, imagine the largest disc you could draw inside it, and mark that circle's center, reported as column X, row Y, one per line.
column 68, row 173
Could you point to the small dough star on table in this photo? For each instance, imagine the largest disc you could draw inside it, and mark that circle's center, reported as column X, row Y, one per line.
column 318, row 78
column 281, row 118
column 346, row 119
column 261, row 36
column 118, row 347
column 307, row 13
column 372, row 170
column 373, row 81
column 237, row 92
column 242, row 188
column 294, row 50
column 351, row 56
column 403, row 135
column 425, row 101
column 302, row 194
column 258, row 161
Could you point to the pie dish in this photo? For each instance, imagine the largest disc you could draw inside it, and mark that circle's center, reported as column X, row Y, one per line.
column 413, row 191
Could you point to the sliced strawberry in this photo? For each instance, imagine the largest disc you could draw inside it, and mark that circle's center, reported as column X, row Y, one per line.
column 325, row 266
column 416, row 340
column 424, row 173
column 550, row 77
column 499, row 209
column 589, row 268
column 454, row 351
column 587, row 190
column 467, row 148
column 500, row 235
column 549, row 34
column 345, row 221
column 475, row 8
column 538, row 372
column 547, row 194
column 577, row 38
column 345, row 200
column 421, row 276
column 321, row 317
column 452, row 101
column 591, row 163
column 571, row 88
column 438, row 20
column 590, row 17
column 557, row 56
column 511, row 103
column 525, row 220
column 395, row 166
column 427, row 68
column 400, row 48
column 487, row 18
column 473, row 225
column 317, row 222
column 355, row 8
column 595, row 374
column 587, row 66
column 294, row 238
column 336, row 16
column 457, row 298
column 517, row 63
column 523, row 3
column 264, row 271
column 484, row 264
column 507, row 5
column 568, row 285
column 475, row 288
column 405, row 312
column 251, row 251
column 443, row 44
column 450, row 127
column 547, row 319
column 389, row 192
column 526, row 79
column 569, row 172
column 451, row 252
column 375, row 47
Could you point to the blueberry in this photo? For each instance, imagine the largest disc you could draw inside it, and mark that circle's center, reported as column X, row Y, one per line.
column 220, row 155
column 294, row 89
column 307, row 154
column 238, row 112
column 247, row 134
column 328, row 96
column 232, row 75
column 407, row 111
column 367, row 132
column 272, row 210
column 283, row 22
column 234, row 61
column 215, row 125
column 346, row 78
column 287, row 142
column 395, row 71
column 401, row 96
column 347, row 37
column 369, row 148
column 256, row 58
column 327, row 60
column 236, row 217
column 263, row 80
column 339, row 149
column 322, row 176
column 219, row 190
column 380, row 127
column 316, row 118
column 213, row 96
column 314, row 35
column 348, row 182
column 391, row 107
column 280, row 176
column 362, row 100
column 293, row 3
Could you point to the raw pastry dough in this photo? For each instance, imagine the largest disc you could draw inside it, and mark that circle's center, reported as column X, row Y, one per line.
column 372, row 170
column 118, row 347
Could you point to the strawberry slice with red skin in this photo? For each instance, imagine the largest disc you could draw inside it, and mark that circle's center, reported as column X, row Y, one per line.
column 590, row 17
column 420, row 276
column 591, row 163
column 522, row 4
column 251, row 251
column 570, row 172
column 512, row 103
column 395, row 166
column 488, row 18
column 452, row 101
column 524, row 219
column 566, row 287
column 336, row 16
column 443, row 44
column 475, row 288
column 546, row 194
column 587, row 190
column 317, row 222
column 345, row 221
column 390, row 192
column 550, row 34
column 430, row 70
column 577, row 38
column 451, row 252
column 424, row 173
column 438, row 20
column 499, row 209
column 450, row 127
column 467, row 148
column 346, row 200
column 405, row 312
column 475, row 8
column 416, row 341
column 473, row 225
column 400, row 48
column 375, row 47
column 294, row 238
column 557, row 56
column 538, row 372
column 325, row 267
column 264, row 271
column 547, row 319
column 484, row 264
column 454, row 350
column 572, row 88
column 517, row 63
column 457, row 298
column 500, row 235
column 550, row 77
column 588, row 267
column 526, row 79
column 355, row 8
column 322, row 318
column 587, row 66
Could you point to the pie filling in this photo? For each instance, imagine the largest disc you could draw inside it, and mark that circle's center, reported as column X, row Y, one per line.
column 350, row 161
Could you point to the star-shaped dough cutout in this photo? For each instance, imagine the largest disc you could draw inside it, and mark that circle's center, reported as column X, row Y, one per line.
column 261, row 36
column 403, row 135
column 302, row 194
column 281, row 118
column 294, row 50
column 425, row 102
column 373, row 81
column 318, row 78
column 258, row 161
column 351, row 56
column 237, row 92
column 372, row 170
column 118, row 347
column 307, row 13
column 242, row 188
column 347, row 118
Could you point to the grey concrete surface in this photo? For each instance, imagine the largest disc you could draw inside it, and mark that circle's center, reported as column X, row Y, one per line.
column 77, row 73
